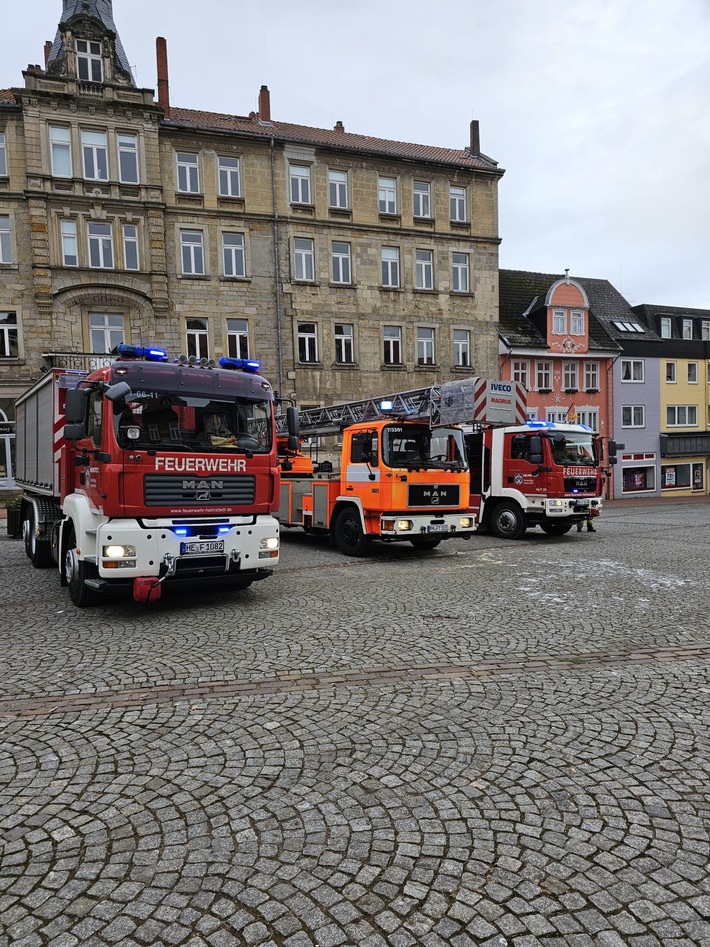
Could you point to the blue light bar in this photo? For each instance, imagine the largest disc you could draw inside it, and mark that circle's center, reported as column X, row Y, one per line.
column 240, row 364
column 386, row 405
column 181, row 532
column 140, row 351
column 224, row 529
column 535, row 422
column 251, row 365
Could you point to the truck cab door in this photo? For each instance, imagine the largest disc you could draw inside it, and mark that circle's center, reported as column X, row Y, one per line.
column 522, row 469
column 362, row 468
column 91, row 461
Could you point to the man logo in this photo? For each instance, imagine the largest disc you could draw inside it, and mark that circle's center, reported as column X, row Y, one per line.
column 203, row 485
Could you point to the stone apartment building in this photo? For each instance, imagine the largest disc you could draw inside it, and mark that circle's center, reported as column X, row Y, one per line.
column 348, row 265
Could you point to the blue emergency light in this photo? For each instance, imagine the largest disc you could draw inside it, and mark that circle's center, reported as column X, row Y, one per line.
column 240, row 364
column 535, row 422
column 386, row 405
column 141, row 351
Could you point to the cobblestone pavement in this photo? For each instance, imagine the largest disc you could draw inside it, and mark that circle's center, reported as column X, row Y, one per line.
column 497, row 743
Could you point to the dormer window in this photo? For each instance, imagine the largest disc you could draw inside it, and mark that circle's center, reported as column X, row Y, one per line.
column 576, row 322
column 89, row 65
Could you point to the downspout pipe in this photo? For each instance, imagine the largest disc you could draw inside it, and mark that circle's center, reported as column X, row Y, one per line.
column 277, row 285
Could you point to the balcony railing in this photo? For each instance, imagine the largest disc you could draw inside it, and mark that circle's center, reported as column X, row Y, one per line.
column 76, row 361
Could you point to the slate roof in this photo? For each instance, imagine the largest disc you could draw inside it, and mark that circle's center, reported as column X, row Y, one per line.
column 522, row 311
column 101, row 10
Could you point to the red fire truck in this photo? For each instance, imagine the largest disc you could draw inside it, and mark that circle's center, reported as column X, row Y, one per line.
column 149, row 471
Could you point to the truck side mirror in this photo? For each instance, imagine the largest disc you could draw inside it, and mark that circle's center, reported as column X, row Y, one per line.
column 75, row 406
column 293, row 443
column 292, row 422
column 73, row 432
column 535, row 454
column 118, row 392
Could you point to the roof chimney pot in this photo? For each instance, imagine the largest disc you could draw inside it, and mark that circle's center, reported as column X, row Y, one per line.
column 475, row 147
column 264, row 104
column 339, row 127
column 161, row 49
column 47, row 51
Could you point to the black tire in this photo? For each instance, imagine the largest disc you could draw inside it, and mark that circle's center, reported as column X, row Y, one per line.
column 425, row 542
column 555, row 529
column 39, row 551
column 76, row 572
column 349, row 536
column 508, row 521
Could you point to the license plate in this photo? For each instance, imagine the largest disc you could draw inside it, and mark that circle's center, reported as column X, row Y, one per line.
column 437, row 528
column 201, row 547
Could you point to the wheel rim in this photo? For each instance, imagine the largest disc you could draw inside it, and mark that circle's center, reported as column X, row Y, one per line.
column 350, row 532
column 507, row 521
column 70, row 566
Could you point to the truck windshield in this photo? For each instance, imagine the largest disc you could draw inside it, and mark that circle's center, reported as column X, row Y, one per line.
column 418, row 447
column 170, row 422
column 574, row 449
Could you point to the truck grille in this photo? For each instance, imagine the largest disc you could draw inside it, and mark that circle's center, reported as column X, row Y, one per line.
column 168, row 489
column 433, row 495
column 580, row 484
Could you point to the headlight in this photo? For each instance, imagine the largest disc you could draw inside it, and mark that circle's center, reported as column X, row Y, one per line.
column 404, row 526
column 465, row 522
column 559, row 503
column 119, row 552
column 271, row 543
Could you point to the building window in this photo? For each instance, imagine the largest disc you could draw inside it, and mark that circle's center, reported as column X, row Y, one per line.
column 576, row 322
column 304, row 259
column 462, row 348
column 682, row 415
column 387, row 195
column 459, row 273
column 192, row 252
column 559, row 322
column 421, row 199
column 591, row 376
column 692, row 373
column 228, row 174
column 100, row 246
column 635, row 479
column 340, row 262
column 70, row 250
column 238, row 338
column 8, row 335
column 631, row 370
column 344, row 348
column 89, row 67
column 233, row 258
column 556, row 416
column 588, row 416
column 390, row 267
column 60, row 151
column 426, row 354
column 197, row 338
column 665, row 328
column 671, row 373
column 307, row 342
column 338, row 189
column 633, row 415
column 300, row 178
column 393, row 345
column 188, row 172
column 457, row 204
column 95, row 154
column 521, row 369
column 131, row 259
column 687, row 328
column 570, row 374
column 705, row 331
column 3, row 156
column 106, row 331
column 424, row 269
column 682, row 476
column 543, row 376
column 5, row 244
column 127, row 158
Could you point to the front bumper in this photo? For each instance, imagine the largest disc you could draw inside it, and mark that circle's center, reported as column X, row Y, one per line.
column 443, row 526
column 577, row 508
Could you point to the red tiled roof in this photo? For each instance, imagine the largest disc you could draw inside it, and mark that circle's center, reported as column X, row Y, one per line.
column 191, row 118
column 7, row 96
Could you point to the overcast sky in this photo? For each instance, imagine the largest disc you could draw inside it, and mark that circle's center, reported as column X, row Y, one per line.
column 598, row 110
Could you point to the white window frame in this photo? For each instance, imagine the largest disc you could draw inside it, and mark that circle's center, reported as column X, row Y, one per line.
column 462, row 348
column 106, row 331
column 187, row 170
column 591, row 376
column 340, row 262
column 559, row 322
column 421, row 200
column 392, row 345
column 650, row 477
column 100, row 244
column 460, row 269
column 543, row 370
column 299, row 177
column 556, row 415
column 705, row 330
column 3, row 155
column 307, row 333
column 344, row 335
column 688, row 329
column 94, row 154
column 679, row 415
column 520, row 371
column 5, row 239
column 131, row 247
column 426, row 345
column 457, row 204
column 234, row 261
column 632, row 366
column 588, row 416
column 192, row 252
column 633, row 415
column 576, row 322
column 229, row 176
column 238, row 338
column 337, row 189
column 89, row 59
column 387, row 195
column 9, row 335
column 127, row 148
column 389, row 259
column 70, row 242
column 666, row 327
column 60, row 151
column 671, row 373
column 197, row 337
column 570, row 375
column 424, row 269
column 304, row 258
column 692, row 373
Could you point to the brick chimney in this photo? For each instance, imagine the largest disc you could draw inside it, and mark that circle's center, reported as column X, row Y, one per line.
column 339, row 127
column 47, row 51
column 161, row 49
column 264, row 104
column 475, row 146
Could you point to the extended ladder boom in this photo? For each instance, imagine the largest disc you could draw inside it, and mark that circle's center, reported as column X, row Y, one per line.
column 471, row 400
